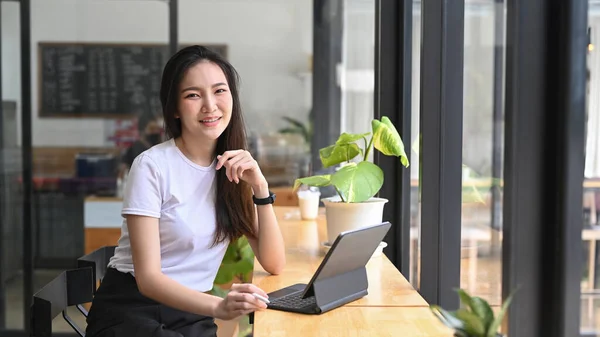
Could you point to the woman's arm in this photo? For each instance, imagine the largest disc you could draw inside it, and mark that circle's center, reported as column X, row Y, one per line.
column 152, row 283
column 269, row 247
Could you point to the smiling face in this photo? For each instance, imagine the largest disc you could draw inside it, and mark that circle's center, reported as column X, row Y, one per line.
column 205, row 102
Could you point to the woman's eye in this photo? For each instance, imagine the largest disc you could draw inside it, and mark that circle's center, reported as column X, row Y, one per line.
column 220, row 91
column 192, row 95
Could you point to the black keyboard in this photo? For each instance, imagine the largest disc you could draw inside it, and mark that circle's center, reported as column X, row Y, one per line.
column 293, row 301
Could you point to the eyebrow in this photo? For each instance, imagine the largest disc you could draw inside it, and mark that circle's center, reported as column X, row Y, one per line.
column 198, row 89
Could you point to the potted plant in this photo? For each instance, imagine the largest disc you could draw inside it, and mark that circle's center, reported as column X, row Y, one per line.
column 475, row 318
column 237, row 266
column 358, row 180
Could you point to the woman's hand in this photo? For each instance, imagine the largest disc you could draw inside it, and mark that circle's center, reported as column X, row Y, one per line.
column 240, row 301
column 240, row 165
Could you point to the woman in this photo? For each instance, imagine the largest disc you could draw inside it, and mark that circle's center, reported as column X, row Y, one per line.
column 185, row 200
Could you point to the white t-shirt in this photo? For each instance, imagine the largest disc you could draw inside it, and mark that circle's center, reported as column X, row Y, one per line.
column 163, row 183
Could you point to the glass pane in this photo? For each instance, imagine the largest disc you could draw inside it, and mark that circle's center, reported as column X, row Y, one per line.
column 11, row 197
column 483, row 120
column 357, row 80
column 95, row 68
column 590, row 294
column 415, row 201
column 270, row 43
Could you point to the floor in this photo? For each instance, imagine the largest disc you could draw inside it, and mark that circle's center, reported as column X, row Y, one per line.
column 14, row 305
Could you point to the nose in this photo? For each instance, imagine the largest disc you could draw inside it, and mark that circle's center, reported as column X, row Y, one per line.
column 209, row 104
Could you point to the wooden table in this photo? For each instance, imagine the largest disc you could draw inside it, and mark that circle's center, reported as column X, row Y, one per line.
column 392, row 304
column 350, row 322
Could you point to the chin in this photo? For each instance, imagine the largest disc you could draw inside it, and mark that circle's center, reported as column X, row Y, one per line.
column 213, row 134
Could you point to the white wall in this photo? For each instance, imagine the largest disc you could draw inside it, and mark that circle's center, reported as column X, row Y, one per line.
column 269, row 42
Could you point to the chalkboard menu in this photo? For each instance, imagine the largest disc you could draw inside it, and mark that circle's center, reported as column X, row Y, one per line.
column 101, row 80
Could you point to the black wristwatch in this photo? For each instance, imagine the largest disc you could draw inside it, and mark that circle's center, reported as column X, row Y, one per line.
column 264, row 201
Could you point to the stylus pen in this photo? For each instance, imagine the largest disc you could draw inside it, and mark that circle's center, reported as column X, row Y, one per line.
column 262, row 298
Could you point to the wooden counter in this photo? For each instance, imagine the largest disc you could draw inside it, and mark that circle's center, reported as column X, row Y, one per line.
column 352, row 322
column 391, row 305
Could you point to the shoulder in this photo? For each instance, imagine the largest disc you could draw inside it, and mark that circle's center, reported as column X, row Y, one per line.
column 157, row 156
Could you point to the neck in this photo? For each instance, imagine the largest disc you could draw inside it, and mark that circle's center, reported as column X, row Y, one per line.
column 199, row 151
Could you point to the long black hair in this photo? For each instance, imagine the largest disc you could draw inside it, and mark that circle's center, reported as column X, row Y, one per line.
column 234, row 206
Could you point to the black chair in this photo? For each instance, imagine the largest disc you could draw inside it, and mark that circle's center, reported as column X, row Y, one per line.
column 98, row 262
column 69, row 288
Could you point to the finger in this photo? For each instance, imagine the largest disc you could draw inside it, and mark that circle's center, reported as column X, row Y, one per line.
column 248, row 288
column 254, row 301
column 249, row 164
column 232, row 167
column 222, row 159
column 244, row 312
column 248, row 302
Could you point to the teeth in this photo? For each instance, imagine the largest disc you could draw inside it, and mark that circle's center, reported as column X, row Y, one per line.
column 210, row 120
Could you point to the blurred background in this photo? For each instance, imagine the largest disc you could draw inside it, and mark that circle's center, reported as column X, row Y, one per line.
column 95, row 74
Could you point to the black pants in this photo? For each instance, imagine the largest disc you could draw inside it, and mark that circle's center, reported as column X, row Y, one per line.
column 120, row 310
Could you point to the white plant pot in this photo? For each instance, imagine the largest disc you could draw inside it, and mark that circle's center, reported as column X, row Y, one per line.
column 343, row 216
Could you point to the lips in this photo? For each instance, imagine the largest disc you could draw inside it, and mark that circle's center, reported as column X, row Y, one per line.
column 210, row 120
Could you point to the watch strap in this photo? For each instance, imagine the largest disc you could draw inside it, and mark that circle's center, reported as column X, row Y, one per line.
column 264, row 201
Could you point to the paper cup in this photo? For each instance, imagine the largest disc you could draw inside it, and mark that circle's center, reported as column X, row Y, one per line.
column 308, row 201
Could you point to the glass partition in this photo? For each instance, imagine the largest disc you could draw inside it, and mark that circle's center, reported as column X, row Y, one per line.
column 590, row 285
column 483, row 147
column 96, row 66
column 11, row 196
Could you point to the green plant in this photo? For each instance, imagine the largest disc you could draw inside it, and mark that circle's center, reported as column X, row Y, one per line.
column 237, row 266
column 358, row 181
column 475, row 318
column 297, row 127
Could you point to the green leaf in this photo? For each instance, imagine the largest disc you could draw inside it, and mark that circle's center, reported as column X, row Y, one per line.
column 227, row 271
column 482, row 309
column 225, row 274
column 294, row 122
column 231, row 254
column 237, row 261
column 335, row 154
column 387, row 140
column 472, row 324
column 478, row 306
column 498, row 320
column 447, row 318
column 318, row 181
column 290, row 130
column 358, row 182
column 347, row 138
column 218, row 291
column 246, row 253
column 465, row 298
